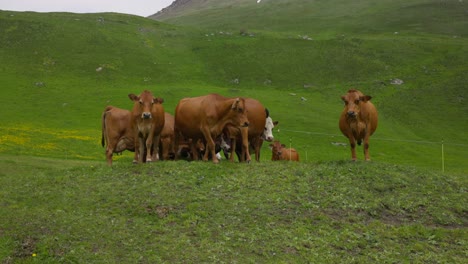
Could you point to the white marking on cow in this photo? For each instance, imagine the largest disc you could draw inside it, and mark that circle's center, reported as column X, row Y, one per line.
column 268, row 132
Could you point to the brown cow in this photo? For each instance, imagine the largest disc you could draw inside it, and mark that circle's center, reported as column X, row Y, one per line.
column 260, row 129
column 166, row 140
column 147, row 123
column 280, row 152
column 205, row 117
column 358, row 121
column 117, row 135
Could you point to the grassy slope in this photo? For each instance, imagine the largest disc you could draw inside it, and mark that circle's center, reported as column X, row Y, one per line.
column 55, row 95
column 320, row 17
column 74, row 209
column 173, row 212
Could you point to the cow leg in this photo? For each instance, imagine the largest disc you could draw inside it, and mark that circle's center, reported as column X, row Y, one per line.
column 149, row 148
column 210, row 146
column 233, row 149
column 164, row 148
column 206, row 155
column 256, row 145
column 245, row 144
column 352, row 143
column 109, row 154
column 176, row 143
column 194, row 150
column 366, row 147
column 260, row 143
column 155, row 147
column 136, row 157
column 141, row 149
column 171, row 147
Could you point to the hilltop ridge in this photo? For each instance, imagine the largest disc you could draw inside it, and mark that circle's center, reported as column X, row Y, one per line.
column 322, row 17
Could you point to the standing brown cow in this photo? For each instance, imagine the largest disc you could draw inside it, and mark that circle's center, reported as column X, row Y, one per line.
column 358, row 120
column 280, row 152
column 260, row 129
column 205, row 117
column 147, row 123
column 117, row 135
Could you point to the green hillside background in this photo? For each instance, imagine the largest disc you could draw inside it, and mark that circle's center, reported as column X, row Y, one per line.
column 60, row 70
column 61, row 203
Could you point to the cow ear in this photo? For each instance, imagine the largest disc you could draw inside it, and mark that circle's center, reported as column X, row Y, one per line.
column 235, row 104
column 365, row 98
column 283, row 145
column 343, row 98
column 275, row 123
column 158, row 100
column 133, row 97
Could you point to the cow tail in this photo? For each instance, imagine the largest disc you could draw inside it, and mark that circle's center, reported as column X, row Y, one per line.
column 103, row 132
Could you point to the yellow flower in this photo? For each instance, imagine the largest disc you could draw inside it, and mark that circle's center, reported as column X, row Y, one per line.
column 34, row 254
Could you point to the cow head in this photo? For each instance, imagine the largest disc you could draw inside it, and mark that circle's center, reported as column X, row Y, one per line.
column 276, row 149
column 268, row 132
column 144, row 103
column 238, row 106
column 353, row 100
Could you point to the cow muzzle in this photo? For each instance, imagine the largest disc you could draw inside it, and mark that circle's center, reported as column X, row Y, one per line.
column 146, row 115
column 245, row 124
column 351, row 114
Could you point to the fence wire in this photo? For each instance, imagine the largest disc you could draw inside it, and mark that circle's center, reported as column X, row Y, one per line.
column 377, row 138
column 441, row 143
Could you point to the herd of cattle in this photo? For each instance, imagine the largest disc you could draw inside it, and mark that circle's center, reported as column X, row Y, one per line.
column 203, row 126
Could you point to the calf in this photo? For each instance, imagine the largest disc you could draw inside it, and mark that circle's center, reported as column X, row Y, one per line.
column 358, row 120
column 280, row 152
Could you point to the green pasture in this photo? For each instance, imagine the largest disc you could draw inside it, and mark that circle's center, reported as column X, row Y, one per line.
column 55, row 211
column 61, row 203
column 58, row 78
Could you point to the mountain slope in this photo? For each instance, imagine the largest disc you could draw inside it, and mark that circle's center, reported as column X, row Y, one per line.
column 321, row 17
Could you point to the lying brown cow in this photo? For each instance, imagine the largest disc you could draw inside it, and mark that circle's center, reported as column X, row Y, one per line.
column 147, row 123
column 358, row 121
column 280, row 152
column 117, row 135
column 205, row 117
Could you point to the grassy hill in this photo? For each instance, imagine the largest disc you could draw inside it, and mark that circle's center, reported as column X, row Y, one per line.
column 322, row 18
column 178, row 212
column 62, row 69
column 61, row 203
